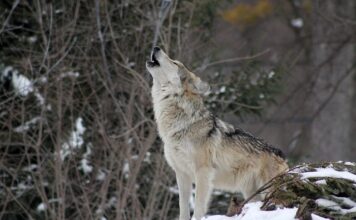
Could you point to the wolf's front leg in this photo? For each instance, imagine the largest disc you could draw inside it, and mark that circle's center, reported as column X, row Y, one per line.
column 185, row 189
column 203, row 187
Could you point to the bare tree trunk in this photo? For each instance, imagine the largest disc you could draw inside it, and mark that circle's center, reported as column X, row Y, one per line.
column 331, row 131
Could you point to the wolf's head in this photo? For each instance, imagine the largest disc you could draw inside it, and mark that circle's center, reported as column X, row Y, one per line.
column 172, row 73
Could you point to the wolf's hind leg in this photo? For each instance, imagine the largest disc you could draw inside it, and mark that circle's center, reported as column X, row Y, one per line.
column 203, row 184
column 185, row 189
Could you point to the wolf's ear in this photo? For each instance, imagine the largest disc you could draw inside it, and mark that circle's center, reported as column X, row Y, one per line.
column 201, row 86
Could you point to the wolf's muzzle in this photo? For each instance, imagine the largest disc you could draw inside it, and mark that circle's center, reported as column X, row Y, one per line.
column 154, row 62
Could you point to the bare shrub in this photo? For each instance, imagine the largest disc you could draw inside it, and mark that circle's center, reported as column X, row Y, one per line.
column 78, row 139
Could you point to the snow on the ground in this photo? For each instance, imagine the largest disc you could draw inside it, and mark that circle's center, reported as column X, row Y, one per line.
column 251, row 211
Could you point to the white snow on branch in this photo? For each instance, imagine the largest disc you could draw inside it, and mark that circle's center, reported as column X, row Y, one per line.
column 126, row 169
column 297, row 22
column 334, row 206
column 43, row 206
column 58, row 11
column 271, row 74
column 329, row 172
column 328, row 204
column 85, row 166
column 22, row 85
column 40, row 98
column 346, row 201
column 174, row 189
column 32, row 39
column 84, row 162
column 30, row 167
column 321, row 182
column 75, row 140
column 70, row 74
column 24, row 127
column 101, row 175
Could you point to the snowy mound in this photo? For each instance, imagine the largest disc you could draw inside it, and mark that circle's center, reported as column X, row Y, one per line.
column 309, row 191
column 252, row 211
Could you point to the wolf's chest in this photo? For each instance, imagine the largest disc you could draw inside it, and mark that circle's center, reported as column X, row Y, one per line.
column 180, row 157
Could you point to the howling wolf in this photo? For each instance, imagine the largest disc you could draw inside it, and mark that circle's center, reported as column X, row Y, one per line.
column 201, row 148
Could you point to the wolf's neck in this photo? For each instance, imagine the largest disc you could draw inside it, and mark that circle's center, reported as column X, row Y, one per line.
column 174, row 111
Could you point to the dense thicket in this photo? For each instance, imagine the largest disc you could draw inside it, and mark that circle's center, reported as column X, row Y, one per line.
column 77, row 135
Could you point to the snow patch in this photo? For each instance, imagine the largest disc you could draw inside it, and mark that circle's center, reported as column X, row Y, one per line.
column 174, row 189
column 297, row 22
column 22, row 85
column 271, row 74
column 131, row 64
column 328, row 204
column 321, row 182
column 42, row 79
column 32, row 39
column 58, row 11
column 70, row 74
column 334, row 206
column 147, row 158
column 79, row 125
column 346, row 201
column 85, row 166
column 126, row 169
column 41, row 207
column 252, row 211
column 84, row 163
column 329, row 172
column 101, row 175
column 75, row 140
column 24, row 127
column 30, row 168
column 39, row 98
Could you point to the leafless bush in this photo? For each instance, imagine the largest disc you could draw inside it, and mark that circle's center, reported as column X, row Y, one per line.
column 78, row 139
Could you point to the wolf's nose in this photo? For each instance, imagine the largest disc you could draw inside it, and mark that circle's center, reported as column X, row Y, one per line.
column 156, row 49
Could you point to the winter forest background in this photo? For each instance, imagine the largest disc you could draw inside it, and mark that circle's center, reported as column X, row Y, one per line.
column 77, row 134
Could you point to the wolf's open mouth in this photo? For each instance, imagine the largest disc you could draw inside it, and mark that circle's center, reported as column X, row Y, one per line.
column 153, row 62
